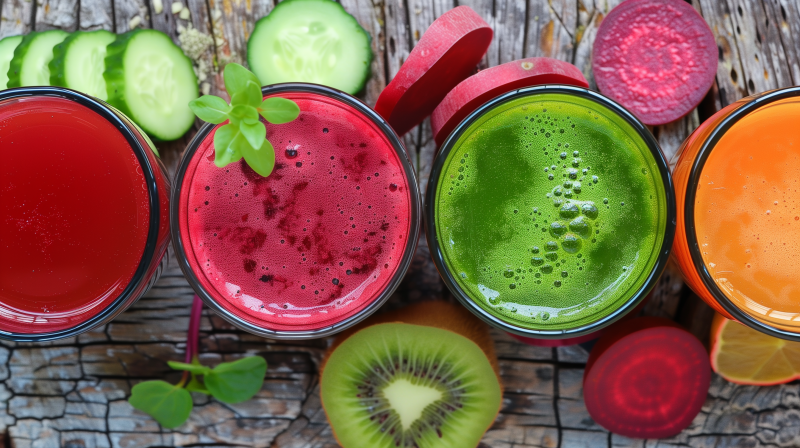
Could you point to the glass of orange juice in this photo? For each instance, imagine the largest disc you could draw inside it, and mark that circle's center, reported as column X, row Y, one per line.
column 738, row 190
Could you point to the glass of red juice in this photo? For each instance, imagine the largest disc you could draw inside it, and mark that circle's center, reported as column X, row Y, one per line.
column 85, row 221
column 320, row 243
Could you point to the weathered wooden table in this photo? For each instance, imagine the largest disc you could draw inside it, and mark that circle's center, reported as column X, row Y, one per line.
column 72, row 393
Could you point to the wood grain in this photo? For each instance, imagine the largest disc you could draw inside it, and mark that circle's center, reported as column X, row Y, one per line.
column 72, row 393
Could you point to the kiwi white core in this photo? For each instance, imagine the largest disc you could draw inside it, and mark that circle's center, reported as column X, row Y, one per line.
column 409, row 399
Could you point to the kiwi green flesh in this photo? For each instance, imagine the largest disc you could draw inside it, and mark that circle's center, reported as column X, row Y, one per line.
column 403, row 385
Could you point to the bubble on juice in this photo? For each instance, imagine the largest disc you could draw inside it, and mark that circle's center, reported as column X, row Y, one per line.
column 576, row 187
column 546, row 269
column 291, row 151
column 545, row 316
column 508, row 273
column 551, row 246
column 557, row 283
column 552, row 256
column 571, row 243
column 589, row 210
column 535, row 249
column 579, row 226
column 557, row 229
column 569, row 210
column 537, row 261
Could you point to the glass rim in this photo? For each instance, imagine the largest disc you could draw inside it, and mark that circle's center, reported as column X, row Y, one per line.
column 691, row 189
column 120, row 303
column 402, row 267
column 663, row 253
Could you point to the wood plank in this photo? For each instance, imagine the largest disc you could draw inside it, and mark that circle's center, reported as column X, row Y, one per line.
column 552, row 28
column 233, row 21
column 370, row 16
column 15, row 17
column 56, row 14
column 96, row 15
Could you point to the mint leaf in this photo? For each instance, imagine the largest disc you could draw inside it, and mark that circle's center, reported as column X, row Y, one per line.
column 210, row 108
column 169, row 405
column 255, row 134
column 236, row 79
column 197, row 369
column 261, row 160
column 225, row 149
column 234, row 382
column 279, row 110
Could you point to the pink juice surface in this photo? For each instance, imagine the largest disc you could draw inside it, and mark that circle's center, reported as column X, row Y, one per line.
column 315, row 242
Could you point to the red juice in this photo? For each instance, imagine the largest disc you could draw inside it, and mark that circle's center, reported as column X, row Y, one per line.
column 76, row 214
column 315, row 242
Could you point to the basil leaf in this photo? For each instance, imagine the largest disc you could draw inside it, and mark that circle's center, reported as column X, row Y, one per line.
column 279, row 110
column 250, row 96
column 237, row 77
column 254, row 133
column 234, row 382
column 196, row 386
column 169, row 405
column 196, row 369
column 262, row 161
column 210, row 108
column 225, row 151
column 243, row 113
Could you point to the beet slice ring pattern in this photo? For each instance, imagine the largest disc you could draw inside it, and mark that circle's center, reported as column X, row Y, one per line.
column 447, row 53
column 646, row 378
column 487, row 84
column 658, row 58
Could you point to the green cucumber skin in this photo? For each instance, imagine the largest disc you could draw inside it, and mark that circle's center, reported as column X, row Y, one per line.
column 367, row 72
column 58, row 70
column 114, row 75
column 15, row 67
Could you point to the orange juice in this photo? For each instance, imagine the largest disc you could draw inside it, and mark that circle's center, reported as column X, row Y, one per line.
column 745, row 213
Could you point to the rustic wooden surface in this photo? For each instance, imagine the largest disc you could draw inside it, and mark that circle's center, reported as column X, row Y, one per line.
column 72, row 393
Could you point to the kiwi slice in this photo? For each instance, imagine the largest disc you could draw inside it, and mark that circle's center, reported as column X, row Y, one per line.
column 405, row 385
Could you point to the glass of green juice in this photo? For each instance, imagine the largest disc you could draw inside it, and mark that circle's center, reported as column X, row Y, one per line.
column 550, row 212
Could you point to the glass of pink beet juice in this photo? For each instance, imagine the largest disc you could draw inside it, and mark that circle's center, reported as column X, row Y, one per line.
column 85, row 221
column 320, row 243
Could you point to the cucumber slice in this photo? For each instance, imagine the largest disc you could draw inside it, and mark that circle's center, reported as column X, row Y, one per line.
column 310, row 41
column 7, row 46
column 29, row 67
column 151, row 81
column 78, row 62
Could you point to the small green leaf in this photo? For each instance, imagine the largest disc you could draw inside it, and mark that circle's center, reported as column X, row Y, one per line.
column 243, row 113
column 234, row 382
column 237, row 77
column 255, row 134
column 279, row 110
column 262, row 160
column 225, row 149
column 210, row 108
column 250, row 96
column 196, row 369
column 169, row 405
column 196, row 386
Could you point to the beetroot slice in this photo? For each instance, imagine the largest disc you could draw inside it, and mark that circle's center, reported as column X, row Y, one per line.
column 658, row 58
column 646, row 378
column 489, row 83
column 447, row 53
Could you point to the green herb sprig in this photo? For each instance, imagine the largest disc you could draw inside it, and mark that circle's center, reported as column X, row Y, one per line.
column 244, row 135
column 229, row 382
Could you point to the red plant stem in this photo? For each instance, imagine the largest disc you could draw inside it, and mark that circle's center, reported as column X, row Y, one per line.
column 192, row 335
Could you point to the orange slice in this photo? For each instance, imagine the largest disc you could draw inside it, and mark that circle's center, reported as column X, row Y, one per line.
column 745, row 356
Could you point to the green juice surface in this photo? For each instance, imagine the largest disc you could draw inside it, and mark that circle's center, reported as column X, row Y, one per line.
column 550, row 211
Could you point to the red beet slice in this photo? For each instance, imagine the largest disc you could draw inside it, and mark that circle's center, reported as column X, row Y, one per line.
column 646, row 378
column 447, row 53
column 658, row 58
column 489, row 83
